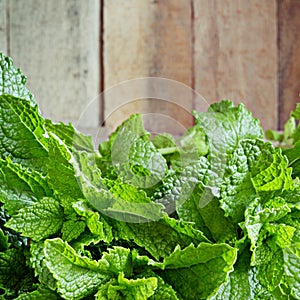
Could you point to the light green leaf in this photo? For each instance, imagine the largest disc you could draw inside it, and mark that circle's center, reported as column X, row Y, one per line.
column 161, row 237
column 12, row 81
column 23, row 138
column 96, row 223
column 71, row 229
column 257, row 214
column 271, row 173
column 296, row 112
column 197, row 272
column 226, row 127
column 195, row 140
column 291, row 257
column 38, row 221
column 128, row 289
column 117, row 200
column 237, row 191
column 294, row 158
column 70, row 136
column 242, row 283
column 38, row 264
column 164, row 140
column 61, row 173
column 76, row 276
column 255, row 169
column 218, row 228
column 163, row 291
column 21, row 187
column 116, row 260
column 137, row 161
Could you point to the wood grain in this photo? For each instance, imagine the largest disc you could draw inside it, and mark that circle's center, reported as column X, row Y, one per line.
column 289, row 57
column 236, row 54
column 148, row 38
column 56, row 44
column 3, row 26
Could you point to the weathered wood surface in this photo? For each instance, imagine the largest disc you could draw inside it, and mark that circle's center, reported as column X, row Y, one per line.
column 56, row 44
column 147, row 38
column 289, row 57
column 4, row 34
column 246, row 51
column 236, row 54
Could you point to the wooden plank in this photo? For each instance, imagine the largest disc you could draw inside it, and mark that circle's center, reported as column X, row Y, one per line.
column 56, row 44
column 3, row 26
column 289, row 57
column 236, row 54
column 148, row 38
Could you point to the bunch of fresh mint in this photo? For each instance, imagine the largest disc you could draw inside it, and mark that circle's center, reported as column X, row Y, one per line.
column 214, row 214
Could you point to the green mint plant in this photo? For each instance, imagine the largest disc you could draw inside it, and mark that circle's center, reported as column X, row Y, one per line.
column 204, row 216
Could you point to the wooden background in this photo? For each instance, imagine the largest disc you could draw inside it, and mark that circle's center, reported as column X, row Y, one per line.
column 243, row 50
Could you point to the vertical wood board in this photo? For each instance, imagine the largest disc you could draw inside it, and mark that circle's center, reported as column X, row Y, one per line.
column 236, row 54
column 56, row 44
column 3, row 26
column 147, row 38
column 289, row 57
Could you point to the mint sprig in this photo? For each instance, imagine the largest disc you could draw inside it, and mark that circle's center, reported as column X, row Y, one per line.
column 214, row 214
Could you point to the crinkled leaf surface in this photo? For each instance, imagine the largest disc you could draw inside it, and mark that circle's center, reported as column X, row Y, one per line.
column 159, row 238
column 21, row 187
column 41, row 293
column 12, row 81
column 127, row 289
column 22, row 133
column 38, row 264
column 225, row 127
column 292, row 268
column 242, row 283
column 76, row 276
column 197, row 272
column 255, row 169
column 38, row 221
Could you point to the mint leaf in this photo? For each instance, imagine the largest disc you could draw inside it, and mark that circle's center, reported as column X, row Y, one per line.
column 72, row 229
column 255, row 169
column 70, row 136
column 159, row 238
column 12, row 81
column 115, row 199
column 294, row 158
column 242, row 283
column 96, row 224
column 218, row 228
column 23, row 138
column 38, row 264
column 123, row 288
column 13, row 271
column 137, row 161
column 292, row 268
column 271, row 173
column 21, row 187
column 226, row 127
column 257, row 215
column 38, row 221
column 197, row 272
column 76, row 276
column 40, row 293
column 61, row 172
column 195, row 140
